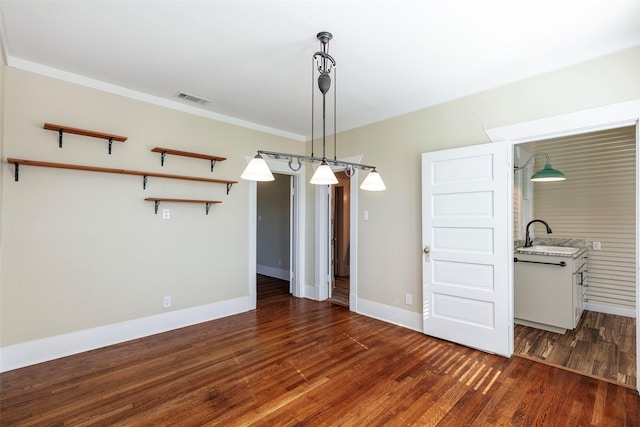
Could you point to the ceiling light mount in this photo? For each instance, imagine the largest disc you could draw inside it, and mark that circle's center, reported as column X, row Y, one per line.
column 258, row 170
column 324, row 37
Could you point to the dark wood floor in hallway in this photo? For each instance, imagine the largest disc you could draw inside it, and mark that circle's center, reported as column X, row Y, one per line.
column 602, row 345
column 340, row 291
column 294, row 362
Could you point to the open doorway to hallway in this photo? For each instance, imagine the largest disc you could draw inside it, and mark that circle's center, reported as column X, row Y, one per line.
column 340, row 240
column 273, row 230
column 269, row 288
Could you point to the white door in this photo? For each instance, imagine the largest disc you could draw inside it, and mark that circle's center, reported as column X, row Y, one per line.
column 467, row 267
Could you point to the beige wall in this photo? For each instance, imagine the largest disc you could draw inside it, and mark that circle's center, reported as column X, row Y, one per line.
column 3, row 63
column 389, row 245
column 85, row 248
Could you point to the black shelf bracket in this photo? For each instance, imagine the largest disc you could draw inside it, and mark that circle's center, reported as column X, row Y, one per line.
column 207, row 204
column 17, row 175
column 162, row 156
column 213, row 163
column 144, row 182
column 61, row 132
column 229, row 187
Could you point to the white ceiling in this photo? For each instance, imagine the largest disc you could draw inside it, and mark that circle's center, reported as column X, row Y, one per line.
column 252, row 59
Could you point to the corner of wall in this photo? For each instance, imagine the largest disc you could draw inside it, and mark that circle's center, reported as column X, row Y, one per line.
column 386, row 313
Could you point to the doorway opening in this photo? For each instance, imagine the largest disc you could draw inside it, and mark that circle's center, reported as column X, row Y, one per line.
column 595, row 208
column 296, row 230
column 324, row 267
column 273, row 230
column 340, row 239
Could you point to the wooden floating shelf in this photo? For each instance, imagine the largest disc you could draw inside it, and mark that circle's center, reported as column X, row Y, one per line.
column 188, row 154
column 17, row 162
column 67, row 129
column 164, row 151
column 62, row 129
column 157, row 201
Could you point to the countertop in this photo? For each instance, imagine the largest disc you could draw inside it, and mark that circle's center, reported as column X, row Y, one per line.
column 554, row 254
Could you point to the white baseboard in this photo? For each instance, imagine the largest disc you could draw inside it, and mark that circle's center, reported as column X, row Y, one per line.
column 389, row 314
column 628, row 312
column 310, row 292
column 37, row 351
column 544, row 327
column 278, row 273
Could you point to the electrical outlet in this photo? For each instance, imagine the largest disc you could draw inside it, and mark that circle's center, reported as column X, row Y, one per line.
column 166, row 214
column 167, row 302
column 408, row 299
column 597, row 246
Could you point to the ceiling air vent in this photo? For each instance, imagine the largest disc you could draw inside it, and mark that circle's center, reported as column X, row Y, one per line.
column 193, row 98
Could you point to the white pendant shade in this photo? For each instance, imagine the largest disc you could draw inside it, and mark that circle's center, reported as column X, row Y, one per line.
column 257, row 170
column 373, row 182
column 324, row 176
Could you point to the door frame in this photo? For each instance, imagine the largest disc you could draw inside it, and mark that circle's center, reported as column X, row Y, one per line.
column 322, row 261
column 591, row 120
column 297, row 221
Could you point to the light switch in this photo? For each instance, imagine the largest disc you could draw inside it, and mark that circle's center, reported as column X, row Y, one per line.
column 166, row 214
column 365, row 215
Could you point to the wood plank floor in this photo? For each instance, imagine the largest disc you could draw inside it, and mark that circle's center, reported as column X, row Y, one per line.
column 340, row 291
column 602, row 345
column 295, row 362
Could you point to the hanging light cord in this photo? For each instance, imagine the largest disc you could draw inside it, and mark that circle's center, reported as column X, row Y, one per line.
column 313, row 75
column 335, row 116
column 324, row 64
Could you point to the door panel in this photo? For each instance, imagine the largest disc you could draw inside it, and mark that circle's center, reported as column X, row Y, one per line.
column 466, row 266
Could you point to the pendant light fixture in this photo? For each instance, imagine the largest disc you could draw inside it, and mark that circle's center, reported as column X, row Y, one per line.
column 258, row 170
column 548, row 174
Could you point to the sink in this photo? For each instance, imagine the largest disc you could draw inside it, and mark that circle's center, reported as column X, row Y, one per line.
column 550, row 249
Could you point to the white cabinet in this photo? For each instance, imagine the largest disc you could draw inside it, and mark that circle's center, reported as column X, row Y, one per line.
column 579, row 286
column 549, row 291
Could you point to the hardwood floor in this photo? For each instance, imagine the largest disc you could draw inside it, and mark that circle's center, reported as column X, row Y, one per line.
column 603, row 345
column 340, row 291
column 296, row 362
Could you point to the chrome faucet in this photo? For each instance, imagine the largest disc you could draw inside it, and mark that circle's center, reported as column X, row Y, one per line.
column 528, row 242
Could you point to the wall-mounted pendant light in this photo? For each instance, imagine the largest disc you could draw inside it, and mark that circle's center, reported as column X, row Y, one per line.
column 548, row 174
column 258, row 170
